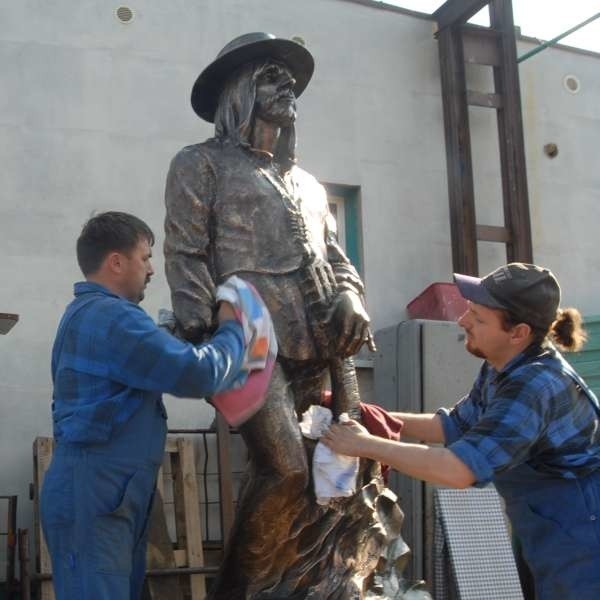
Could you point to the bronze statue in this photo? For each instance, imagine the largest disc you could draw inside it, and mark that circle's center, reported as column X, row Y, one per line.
column 239, row 204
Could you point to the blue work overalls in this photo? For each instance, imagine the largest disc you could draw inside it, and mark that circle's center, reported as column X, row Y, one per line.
column 557, row 522
column 95, row 504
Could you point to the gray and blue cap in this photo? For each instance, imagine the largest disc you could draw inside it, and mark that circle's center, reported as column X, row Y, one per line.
column 529, row 293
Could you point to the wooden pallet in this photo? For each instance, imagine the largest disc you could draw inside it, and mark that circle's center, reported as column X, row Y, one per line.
column 187, row 550
column 177, row 478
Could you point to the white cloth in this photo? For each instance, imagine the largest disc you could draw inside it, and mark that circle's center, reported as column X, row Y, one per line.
column 334, row 475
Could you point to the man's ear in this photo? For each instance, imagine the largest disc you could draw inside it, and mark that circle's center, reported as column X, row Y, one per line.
column 520, row 333
column 114, row 262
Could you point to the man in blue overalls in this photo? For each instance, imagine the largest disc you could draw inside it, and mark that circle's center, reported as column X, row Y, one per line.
column 110, row 363
column 530, row 425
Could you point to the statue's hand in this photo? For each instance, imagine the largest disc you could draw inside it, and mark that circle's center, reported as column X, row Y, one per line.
column 194, row 331
column 350, row 322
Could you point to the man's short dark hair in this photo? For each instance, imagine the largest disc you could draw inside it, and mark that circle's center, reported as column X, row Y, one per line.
column 109, row 232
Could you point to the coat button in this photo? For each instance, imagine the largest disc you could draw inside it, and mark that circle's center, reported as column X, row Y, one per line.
column 593, row 518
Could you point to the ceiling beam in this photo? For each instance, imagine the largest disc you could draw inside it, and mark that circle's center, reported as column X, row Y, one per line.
column 7, row 321
column 456, row 12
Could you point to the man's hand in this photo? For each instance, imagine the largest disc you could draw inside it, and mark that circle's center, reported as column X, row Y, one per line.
column 349, row 438
column 226, row 312
column 351, row 321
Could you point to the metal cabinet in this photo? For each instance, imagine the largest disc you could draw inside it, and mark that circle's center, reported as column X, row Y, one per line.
column 420, row 366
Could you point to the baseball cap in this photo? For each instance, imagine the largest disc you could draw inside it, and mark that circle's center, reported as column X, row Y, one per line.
column 530, row 294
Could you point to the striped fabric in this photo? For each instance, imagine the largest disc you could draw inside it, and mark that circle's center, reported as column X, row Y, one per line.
column 248, row 393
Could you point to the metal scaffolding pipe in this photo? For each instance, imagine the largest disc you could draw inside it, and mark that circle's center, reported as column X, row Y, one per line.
column 556, row 39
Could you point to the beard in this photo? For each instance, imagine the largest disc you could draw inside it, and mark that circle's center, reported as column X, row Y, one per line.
column 279, row 109
column 474, row 350
column 142, row 293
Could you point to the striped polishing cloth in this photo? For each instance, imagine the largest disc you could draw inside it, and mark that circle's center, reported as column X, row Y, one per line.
column 248, row 393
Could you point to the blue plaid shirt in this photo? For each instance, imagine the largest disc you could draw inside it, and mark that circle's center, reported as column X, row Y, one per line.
column 533, row 412
column 109, row 356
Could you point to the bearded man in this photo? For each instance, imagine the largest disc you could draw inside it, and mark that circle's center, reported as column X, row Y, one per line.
column 239, row 204
column 530, row 425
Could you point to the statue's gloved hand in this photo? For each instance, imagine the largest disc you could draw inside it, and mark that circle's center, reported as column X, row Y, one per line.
column 350, row 322
column 166, row 320
column 194, row 331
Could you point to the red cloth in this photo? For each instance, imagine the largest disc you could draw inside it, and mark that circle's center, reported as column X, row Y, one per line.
column 380, row 422
column 377, row 421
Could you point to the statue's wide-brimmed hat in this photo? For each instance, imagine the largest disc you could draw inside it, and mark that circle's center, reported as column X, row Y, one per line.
column 244, row 49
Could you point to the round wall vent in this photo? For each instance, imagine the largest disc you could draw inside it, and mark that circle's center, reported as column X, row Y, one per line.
column 571, row 84
column 551, row 150
column 125, row 14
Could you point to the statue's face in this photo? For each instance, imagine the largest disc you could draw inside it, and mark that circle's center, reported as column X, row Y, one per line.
column 275, row 100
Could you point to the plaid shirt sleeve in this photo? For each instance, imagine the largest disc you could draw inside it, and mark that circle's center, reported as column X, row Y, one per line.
column 513, row 422
column 458, row 420
column 532, row 412
column 143, row 356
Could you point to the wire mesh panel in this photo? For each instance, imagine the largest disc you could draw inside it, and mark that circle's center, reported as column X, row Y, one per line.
column 473, row 553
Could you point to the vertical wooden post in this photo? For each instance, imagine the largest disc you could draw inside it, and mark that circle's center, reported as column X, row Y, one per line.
column 458, row 152
column 159, row 554
column 11, row 542
column 191, row 499
column 510, row 132
column 24, row 564
column 42, row 456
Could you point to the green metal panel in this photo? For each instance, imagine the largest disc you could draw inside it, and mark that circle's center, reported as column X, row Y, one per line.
column 587, row 362
column 352, row 224
column 353, row 230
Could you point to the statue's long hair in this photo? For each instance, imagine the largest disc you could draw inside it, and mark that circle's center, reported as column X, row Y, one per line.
column 234, row 117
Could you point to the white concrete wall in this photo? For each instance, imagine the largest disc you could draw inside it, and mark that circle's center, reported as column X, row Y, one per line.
column 564, row 192
column 91, row 112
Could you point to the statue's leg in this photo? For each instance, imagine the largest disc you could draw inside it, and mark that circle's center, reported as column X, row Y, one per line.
column 307, row 379
column 344, row 388
column 273, row 497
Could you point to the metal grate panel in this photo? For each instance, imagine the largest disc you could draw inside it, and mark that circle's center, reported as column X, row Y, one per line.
column 473, row 553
